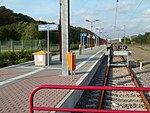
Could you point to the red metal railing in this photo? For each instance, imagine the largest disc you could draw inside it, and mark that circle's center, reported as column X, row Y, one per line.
column 32, row 108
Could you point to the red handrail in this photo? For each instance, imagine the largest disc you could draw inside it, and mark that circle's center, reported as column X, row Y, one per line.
column 108, row 88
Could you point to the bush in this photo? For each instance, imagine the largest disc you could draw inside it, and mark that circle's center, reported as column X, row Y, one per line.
column 11, row 58
column 22, row 60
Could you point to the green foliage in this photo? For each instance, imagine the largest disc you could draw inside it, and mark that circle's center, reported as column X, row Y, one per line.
column 142, row 39
column 15, row 26
column 7, row 16
column 127, row 40
column 31, row 32
column 22, row 60
column 11, row 58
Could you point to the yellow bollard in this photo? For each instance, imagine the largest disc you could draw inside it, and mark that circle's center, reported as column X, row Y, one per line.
column 140, row 65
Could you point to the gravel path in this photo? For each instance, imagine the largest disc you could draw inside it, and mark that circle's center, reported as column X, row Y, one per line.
column 122, row 100
column 141, row 54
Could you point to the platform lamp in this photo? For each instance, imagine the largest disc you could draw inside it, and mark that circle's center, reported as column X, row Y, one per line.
column 91, row 40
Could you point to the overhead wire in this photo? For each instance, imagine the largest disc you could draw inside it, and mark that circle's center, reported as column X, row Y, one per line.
column 135, row 10
column 116, row 14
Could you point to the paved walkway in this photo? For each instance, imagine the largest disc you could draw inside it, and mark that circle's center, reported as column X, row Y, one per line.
column 17, row 82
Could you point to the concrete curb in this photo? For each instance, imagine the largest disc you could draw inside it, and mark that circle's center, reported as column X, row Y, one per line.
column 73, row 96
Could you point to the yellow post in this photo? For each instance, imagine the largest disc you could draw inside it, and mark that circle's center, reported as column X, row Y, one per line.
column 140, row 65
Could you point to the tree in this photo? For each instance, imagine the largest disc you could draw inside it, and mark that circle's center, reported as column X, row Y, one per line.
column 31, row 32
column 7, row 16
column 147, row 36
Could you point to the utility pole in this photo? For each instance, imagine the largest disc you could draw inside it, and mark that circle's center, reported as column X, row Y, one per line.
column 65, row 20
column 60, row 34
column 124, row 34
column 116, row 18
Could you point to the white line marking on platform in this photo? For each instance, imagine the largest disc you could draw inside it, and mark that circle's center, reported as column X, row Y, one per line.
column 81, row 64
column 38, row 70
column 19, row 77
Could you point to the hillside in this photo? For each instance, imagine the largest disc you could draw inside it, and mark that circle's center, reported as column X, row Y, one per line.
column 14, row 26
column 7, row 16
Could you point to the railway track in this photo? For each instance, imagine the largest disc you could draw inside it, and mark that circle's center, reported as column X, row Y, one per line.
column 114, row 100
column 122, row 100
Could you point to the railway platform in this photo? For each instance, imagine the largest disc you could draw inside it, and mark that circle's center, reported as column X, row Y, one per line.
column 17, row 82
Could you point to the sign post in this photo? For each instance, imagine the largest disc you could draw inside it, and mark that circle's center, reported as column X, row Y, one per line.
column 82, row 38
column 48, row 27
column 48, row 48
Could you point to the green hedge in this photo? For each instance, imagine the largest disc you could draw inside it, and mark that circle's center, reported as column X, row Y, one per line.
column 12, row 58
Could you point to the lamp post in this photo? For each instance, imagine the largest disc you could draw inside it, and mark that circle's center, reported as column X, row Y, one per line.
column 91, row 40
column 99, row 29
column 104, row 37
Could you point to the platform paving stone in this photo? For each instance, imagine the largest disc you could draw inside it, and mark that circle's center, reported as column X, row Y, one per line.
column 14, row 96
column 7, row 73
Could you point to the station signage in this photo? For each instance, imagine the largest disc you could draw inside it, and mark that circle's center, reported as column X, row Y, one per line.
column 47, row 27
column 84, row 34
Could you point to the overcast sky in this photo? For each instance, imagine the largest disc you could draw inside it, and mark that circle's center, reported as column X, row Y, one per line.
column 135, row 14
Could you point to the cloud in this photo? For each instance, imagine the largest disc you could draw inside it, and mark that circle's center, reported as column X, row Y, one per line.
column 123, row 8
column 82, row 12
column 1, row 1
column 40, row 19
column 147, row 12
column 148, row 26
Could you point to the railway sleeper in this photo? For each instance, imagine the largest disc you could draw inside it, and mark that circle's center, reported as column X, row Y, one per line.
column 120, row 108
column 126, row 105
column 119, row 84
column 135, row 99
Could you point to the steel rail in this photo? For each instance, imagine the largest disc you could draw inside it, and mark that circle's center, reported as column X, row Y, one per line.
column 101, row 98
column 143, row 97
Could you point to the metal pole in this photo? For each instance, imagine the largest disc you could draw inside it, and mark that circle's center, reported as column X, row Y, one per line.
column 91, row 40
column 65, row 19
column 48, row 48
column 87, row 42
column 116, row 19
column 60, row 34
column 99, row 37
column 96, row 41
column 124, row 34
column 83, row 40
column 12, row 45
column 80, row 38
column 22, row 44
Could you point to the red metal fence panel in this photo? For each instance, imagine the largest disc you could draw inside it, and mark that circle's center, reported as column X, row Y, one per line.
column 108, row 88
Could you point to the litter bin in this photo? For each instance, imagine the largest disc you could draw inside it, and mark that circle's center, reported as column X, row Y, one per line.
column 71, row 61
column 40, row 58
